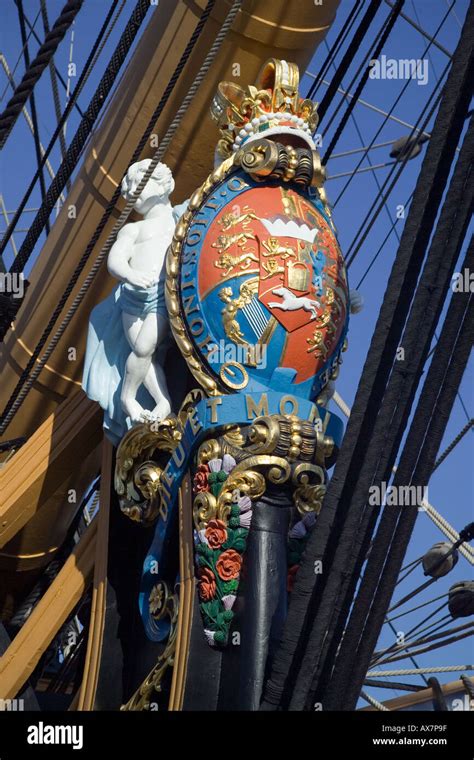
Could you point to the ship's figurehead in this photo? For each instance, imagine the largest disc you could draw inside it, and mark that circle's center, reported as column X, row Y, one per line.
column 258, row 302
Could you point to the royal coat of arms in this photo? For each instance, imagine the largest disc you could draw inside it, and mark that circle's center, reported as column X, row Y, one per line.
column 257, row 290
column 262, row 287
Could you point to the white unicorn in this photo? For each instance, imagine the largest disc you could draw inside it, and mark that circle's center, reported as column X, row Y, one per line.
column 293, row 303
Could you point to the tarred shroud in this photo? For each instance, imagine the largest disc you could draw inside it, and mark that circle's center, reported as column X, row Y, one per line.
column 306, row 657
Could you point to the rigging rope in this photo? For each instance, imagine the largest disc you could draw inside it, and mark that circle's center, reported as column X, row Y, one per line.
column 298, row 639
column 408, row 640
column 348, row 57
column 418, row 607
column 374, row 702
column 54, row 83
column 389, row 114
column 444, row 526
column 414, row 132
column 366, row 225
column 83, row 131
column 8, row 73
column 416, row 671
column 58, row 73
column 34, row 118
column 429, row 422
column 423, row 650
column 26, row 379
column 394, row 685
column 335, row 47
column 358, row 91
column 453, row 444
column 36, row 68
column 11, row 227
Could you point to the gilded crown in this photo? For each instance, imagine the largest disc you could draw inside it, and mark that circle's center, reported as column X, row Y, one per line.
column 272, row 106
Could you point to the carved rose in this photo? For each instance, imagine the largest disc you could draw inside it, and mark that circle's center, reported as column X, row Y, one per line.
column 207, row 584
column 200, row 481
column 216, row 533
column 228, row 565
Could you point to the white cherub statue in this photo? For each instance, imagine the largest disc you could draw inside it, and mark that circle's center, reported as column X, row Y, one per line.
column 122, row 369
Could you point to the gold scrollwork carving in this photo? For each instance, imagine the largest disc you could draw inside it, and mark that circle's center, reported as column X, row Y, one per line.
column 210, row 449
column 137, row 478
column 233, row 435
column 136, row 475
column 276, row 469
column 284, row 435
column 204, row 509
column 207, row 507
column 310, row 489
column 166, row 604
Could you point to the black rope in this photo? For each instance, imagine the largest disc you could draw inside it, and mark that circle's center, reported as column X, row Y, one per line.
column 453, row 443
column 54, row 85
column 414, row 592
column 36, row 68
column 430, row 420
column 348, row 57
column 14, row 443
column 83, row 131
column 363, row 80
column 403, row 651
column 11, row 227
column 423, row 650
column 58, row 73
column 107, row 213
column 381, row 198
column 398, row 399
column 415, row 134
column 413, row 609
column 34, row 118
column 339, row 510
column 381, row 246
column 335, row 47
column 381, row 653
column 411, row 658
column 392, row 685
column 364, row 69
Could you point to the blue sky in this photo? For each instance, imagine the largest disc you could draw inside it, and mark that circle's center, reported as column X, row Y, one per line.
column 451, row 488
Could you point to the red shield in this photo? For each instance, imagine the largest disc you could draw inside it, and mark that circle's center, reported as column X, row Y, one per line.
column 286, row 281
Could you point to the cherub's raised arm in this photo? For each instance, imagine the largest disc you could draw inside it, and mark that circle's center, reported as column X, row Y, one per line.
column 120, row 253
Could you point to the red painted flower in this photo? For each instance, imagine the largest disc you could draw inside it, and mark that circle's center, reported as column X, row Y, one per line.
column 216, row 533
column 207, row 584
column 290, row 581
column 200, row 481
column 228, row 565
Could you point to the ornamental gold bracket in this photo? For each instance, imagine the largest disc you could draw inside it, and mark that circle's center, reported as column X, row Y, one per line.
column 263, row 158
column 277, row 450
column 138, row 478
column 164, row 604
